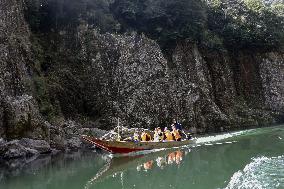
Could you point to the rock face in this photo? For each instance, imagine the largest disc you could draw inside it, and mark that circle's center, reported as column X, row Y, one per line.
column 207, row 91
column 19, row 111
column 272, row 77
column 75, row 72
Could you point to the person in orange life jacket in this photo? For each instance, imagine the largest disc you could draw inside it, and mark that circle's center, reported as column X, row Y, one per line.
column 176, row 133
column 168, row 135
column 145, row 136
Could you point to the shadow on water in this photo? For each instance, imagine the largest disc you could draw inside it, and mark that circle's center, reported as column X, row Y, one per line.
column 210, row 164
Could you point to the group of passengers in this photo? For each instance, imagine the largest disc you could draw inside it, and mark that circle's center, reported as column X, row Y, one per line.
column 159, row 135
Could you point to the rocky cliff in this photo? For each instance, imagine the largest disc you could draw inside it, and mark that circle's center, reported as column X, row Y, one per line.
column 62, row 70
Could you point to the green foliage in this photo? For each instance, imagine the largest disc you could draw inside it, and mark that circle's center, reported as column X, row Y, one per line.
column 248, row 24
column 212, row 41
column 57, row 15
column 240, row 24
column 166, row 21
column 255, row 5
column 278, row 8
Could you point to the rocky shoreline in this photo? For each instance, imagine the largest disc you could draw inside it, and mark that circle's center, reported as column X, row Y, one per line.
column 61, row 139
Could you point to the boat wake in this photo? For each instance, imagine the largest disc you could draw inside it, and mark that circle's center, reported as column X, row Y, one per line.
column 220, row 137
column 261, row 173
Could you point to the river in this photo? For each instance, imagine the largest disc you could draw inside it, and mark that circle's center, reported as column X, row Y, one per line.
column 250, row 159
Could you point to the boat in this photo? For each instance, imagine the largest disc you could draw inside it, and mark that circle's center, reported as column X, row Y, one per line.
column 125, row 147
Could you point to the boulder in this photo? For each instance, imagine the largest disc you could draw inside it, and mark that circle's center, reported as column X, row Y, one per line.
column 74, row 143
column 40, row 145
column 14, row 149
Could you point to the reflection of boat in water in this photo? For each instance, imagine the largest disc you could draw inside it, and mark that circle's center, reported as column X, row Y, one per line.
column 118, row 165
column 122, row 147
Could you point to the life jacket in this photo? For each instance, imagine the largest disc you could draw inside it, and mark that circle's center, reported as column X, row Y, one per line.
column 169, row 135
column 136, row 137
column 176, row 134
column 149, row 137
column 145, row 137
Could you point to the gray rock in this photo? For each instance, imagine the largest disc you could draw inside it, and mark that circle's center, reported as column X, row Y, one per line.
column 93, row 132
column 74, row 143
column 71, row 129
column 40, row 145
column 14, row 149
column 2, row 141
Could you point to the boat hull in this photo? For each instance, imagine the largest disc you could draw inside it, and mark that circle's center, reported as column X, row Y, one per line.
column 123, row 147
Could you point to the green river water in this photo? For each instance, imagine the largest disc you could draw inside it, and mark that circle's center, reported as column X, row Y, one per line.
column 251, row 159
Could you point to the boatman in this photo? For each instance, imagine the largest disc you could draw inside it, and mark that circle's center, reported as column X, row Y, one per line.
column 177, row 125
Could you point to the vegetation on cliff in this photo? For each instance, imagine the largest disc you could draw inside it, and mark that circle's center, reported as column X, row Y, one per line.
column 241, row 24
column 148, row 61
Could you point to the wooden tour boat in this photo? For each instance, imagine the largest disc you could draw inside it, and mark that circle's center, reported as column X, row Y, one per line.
column 124, row 147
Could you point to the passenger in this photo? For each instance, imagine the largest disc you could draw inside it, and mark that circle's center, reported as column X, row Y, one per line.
column 136, row 137
column 156, row 135
column 168, row 135
column 176, row 134
column 160, row 134
column 145, row 136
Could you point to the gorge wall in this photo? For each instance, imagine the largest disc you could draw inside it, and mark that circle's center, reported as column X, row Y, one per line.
column 70, row 70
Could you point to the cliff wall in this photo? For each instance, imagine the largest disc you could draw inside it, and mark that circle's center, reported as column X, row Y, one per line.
column 76, row 71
